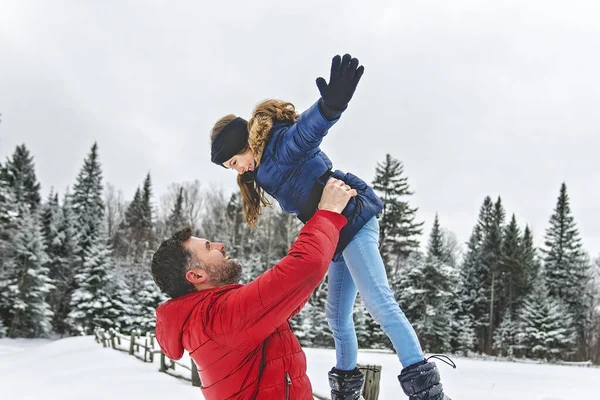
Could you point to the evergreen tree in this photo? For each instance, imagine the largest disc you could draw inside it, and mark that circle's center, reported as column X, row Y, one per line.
column 19, row 173
column 512, row 269
column 29, row 285
column 302, row 326
column 2, row 329
column 426, row 293
column 131, row 240
column 8, row 209
column 545, row 329
column 491, row 258
column 505, row 339
column 8, row 224
column 565, row 266
column 592, row 332
column 531, row 261
column 474, row 278
column 436, row 246
column 61, row 240
column 362, row 322
column 317, row 318
column 398, row 228
column 100, row 298
column 87, row 201
column 176, row 219
column 146, row 300
column 465, row 337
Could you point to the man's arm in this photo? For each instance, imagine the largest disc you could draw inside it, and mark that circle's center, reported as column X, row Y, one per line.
column 251, row 313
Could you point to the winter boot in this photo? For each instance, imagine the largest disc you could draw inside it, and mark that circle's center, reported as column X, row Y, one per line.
column 346, row 385
column 421, row 381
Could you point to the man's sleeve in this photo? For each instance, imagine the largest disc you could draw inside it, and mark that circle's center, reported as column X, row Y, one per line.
column 246, row 316
column 305, row 135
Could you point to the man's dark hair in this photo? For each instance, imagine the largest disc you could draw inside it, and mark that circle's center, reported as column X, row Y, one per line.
column 170, row 263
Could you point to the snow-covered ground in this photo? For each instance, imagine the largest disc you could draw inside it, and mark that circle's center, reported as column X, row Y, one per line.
column 79, row 368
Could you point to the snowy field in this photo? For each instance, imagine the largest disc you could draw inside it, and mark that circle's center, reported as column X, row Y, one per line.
column 79, row 368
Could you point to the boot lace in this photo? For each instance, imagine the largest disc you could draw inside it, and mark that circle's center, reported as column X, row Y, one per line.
column 442, row 358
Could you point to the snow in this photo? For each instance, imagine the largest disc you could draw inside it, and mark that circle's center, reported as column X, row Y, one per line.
column 76, row 368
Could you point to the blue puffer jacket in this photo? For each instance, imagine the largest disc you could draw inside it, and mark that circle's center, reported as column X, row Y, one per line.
column 293, row 170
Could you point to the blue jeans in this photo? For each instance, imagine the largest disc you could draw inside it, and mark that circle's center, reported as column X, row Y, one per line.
column 362, row 266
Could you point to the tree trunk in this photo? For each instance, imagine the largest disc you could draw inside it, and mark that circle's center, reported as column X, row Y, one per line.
column 491, row 326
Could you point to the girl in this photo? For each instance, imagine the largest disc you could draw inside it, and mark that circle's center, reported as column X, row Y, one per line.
column 277, row 152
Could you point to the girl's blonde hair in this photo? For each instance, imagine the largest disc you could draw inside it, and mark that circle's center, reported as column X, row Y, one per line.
column 260, row 124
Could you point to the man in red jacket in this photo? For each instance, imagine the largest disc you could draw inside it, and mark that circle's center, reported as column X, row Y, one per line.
column 239, row 335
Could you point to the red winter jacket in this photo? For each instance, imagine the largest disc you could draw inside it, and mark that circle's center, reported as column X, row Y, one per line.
column 234, row 331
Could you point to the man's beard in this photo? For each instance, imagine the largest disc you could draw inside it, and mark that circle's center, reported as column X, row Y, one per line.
column 226, row 273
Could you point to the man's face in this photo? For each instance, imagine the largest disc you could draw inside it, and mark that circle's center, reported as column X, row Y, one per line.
column 213, row 257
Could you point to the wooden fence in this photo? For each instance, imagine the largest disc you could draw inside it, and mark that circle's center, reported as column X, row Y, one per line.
column 144, row 348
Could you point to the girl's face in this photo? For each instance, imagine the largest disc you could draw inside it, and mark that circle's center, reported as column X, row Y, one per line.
column 241, row 162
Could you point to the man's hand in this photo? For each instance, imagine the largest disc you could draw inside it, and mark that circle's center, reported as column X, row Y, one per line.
column 336, row 195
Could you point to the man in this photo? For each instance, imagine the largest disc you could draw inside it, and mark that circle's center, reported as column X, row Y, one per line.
column 239, row 335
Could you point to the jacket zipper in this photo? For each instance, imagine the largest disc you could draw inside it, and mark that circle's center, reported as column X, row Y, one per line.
column 288, row 383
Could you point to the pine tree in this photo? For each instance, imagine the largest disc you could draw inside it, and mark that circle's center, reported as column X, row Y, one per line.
column 100, row 299
column 512, row 269
column 61, row 239
column 362, row 322
column 491, row 256
column 317, row 318
column 435, row 246
column 545, row 329
column 398, row 228
column 505, row 339
column 30, row 284
column 19, row 173
column 565, row 266
column 302, row 326
column 176, row 219
column 465, row 336
column 146, row 301
column 531, row 261
column 87, row 201
column 130, row 237
column 427, row 293
column 475, row 289
column 2, row 329
column 592, row 332
column 8, row 223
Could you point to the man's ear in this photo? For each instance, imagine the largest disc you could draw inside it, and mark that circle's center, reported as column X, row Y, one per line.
column 196, row 276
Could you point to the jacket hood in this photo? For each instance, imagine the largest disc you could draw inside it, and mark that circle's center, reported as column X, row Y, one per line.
column 173, row 315
column 170, row 320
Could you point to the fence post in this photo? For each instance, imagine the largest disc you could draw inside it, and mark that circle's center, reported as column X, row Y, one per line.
column 152, row 347
column 132, row 343
column 104, row 340
column 372, row 380
column 163, row 364
column 113, row 335
column 195, row 376
column 145, row 347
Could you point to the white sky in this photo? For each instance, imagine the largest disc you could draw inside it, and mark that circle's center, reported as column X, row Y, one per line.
column 475, row 97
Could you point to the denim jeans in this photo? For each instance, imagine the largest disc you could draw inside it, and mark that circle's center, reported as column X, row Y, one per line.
column 362, row 267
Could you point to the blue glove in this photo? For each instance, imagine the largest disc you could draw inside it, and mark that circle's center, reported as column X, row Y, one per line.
column 344, row 78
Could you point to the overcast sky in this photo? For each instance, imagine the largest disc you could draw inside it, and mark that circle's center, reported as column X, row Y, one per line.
column 475, row 97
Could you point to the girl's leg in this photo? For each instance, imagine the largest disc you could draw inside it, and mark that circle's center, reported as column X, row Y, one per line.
column 341, row 294
column 366, row 266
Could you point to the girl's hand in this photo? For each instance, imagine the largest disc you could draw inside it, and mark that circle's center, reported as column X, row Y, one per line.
column 343, row 80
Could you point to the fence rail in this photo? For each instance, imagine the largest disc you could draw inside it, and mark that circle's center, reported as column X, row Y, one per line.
column 111, row 338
